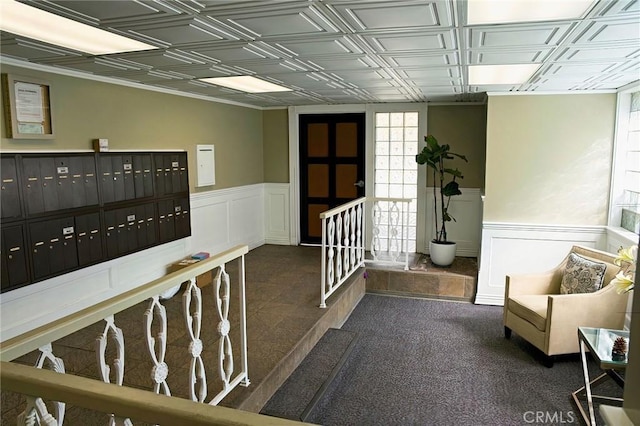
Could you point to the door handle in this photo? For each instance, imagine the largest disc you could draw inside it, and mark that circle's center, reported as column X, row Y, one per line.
column 359, row 183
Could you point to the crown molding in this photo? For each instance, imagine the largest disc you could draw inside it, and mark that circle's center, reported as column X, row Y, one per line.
column 4, row 60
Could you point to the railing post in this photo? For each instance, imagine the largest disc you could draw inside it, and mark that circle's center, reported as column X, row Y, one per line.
column 323, row 271
column 243, row 326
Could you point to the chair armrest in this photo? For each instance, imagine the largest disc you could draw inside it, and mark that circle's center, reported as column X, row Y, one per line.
column 543, row 283
column 566, row 312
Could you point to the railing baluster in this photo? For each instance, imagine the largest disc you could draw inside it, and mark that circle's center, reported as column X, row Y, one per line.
column 376, row 217
column 394, row 244
column 347, row 232
column 36, row 410
column 354, row 228
column 339, row 247
column 160, row 370
column 330, row 270
column 36, row 413
column 115, row 333
column 192, row 302
column 225, row 352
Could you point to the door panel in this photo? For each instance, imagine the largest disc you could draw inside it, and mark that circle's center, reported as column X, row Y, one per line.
column 331, row 162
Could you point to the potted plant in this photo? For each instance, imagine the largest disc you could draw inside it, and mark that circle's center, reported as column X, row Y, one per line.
column 435, row 156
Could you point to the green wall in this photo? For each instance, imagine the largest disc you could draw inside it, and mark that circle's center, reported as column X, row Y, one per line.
column 137, row 119
column 275, row 132
column 463, row 127
column 549, row 158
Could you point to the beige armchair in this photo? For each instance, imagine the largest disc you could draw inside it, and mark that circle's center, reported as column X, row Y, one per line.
column 536, row 311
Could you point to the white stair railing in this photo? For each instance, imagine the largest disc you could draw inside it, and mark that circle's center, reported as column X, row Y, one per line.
column 341, row 256
column 343, row 238
column 41, row 338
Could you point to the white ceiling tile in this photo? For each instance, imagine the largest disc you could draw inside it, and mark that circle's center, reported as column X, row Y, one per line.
column 434, row 40
column 517, row 35
column 498, row 57
column 608, row 31
column 413, row 60
column 394, row 14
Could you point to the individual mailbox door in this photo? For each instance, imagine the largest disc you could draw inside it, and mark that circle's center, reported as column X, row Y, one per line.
column 118, row 178
column 39, row 237
column 89, row 239
column 166, row 223
column 175, row 173
column 67, row 232
column 128, row 177
column 90, row 180
column 63, row 179
column 121, row 231
column 111, row 233
column 141, row 226
column 55, row 242
column 76, row 175
column 158, row 161
column 138, row 181
column 131, row 228
column 182, row 217
column 49, row 184
column 14, row 258
column 106, row 179
column 10, row 205
column 184, row 173
column 32, row 185
column 168, row 170
column 151, row 223
column 147, row 175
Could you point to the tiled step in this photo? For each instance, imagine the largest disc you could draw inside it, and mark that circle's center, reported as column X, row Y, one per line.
column 339, row 307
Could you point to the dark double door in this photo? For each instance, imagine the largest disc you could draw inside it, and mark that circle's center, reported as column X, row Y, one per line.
column 331, row 166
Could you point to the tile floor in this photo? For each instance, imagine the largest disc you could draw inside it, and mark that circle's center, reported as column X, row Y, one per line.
column 283, row 324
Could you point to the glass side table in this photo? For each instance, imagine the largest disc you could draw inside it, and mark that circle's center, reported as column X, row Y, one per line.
column 599, row 341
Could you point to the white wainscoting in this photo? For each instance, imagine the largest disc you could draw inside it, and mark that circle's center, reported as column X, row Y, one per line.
column 219, row 220
column 509, row 248
column 276, row 213
column 466, row 230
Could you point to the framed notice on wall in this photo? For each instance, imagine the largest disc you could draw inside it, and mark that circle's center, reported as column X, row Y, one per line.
column 27, row 105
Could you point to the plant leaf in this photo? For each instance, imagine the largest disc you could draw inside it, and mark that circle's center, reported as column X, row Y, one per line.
column 451, row 189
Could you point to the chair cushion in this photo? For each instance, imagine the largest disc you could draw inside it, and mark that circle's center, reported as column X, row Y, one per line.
column 582, row 275
column 531, row 308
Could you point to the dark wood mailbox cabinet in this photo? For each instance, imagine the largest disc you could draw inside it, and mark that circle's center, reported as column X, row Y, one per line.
column 62, row 212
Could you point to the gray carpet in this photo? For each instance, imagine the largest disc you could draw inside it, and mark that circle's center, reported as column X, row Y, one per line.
column 427, row 362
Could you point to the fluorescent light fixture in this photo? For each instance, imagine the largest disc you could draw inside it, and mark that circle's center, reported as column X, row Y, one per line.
column 504, row 11
column 246, row 83
column 501, row 74
column 27, row 21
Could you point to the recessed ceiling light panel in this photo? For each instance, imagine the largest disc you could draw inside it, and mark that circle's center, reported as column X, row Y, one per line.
column 27, row 21
column 501, row 74
column 246, row 83
column 480, row 12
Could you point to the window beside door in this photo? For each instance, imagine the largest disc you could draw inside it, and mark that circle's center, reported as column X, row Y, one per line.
column 396, row 170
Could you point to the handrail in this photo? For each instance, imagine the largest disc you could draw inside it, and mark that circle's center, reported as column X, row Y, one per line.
column 33, row 339
column 342, row 207
column 123, row 401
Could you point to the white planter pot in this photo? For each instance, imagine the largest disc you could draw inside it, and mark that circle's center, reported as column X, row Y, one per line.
column 442, row 254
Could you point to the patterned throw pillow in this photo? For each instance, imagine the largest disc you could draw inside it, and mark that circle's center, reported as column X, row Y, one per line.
column 582, row 275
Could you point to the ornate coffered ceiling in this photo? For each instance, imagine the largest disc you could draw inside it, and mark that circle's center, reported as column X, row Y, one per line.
column 343, row 51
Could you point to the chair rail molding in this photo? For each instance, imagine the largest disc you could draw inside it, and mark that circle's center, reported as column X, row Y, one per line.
column 518, row 248
column 220, row 219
